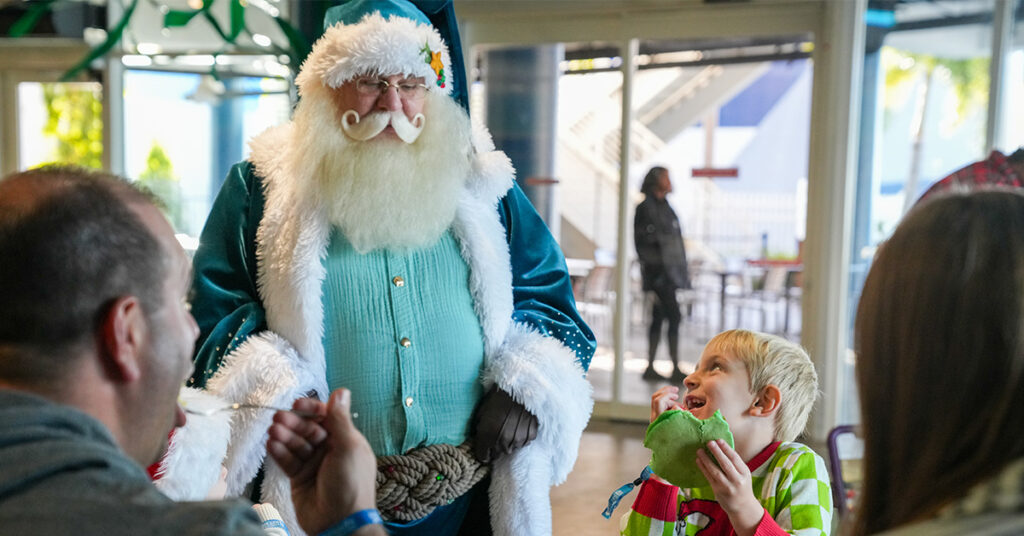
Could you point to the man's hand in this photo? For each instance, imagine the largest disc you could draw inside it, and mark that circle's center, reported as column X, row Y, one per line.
column 502, row 426
column 730, row 480
column 663, row 400
column 331, row 466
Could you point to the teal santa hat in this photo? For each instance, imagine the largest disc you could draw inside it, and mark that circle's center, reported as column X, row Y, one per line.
column 385, row 37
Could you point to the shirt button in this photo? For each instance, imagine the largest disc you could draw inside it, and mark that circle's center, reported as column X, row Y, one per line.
column 398, row 281
column 408, row 402
column 405, row 342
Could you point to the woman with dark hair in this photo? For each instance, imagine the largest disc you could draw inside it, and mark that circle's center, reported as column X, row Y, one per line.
column 659, row 246
column 940, row 371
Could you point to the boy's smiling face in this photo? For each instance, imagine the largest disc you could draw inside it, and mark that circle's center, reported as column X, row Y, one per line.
column 720, row 382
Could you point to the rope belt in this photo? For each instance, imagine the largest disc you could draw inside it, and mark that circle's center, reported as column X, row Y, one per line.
column 410, row 486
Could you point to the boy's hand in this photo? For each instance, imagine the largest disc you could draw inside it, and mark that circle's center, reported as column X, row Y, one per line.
column 730, row 480
column 663, row 400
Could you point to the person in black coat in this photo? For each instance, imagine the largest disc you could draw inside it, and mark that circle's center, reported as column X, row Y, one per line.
column 659, row 246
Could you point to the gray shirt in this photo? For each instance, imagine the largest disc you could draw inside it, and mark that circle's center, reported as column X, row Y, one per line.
column 62, row 473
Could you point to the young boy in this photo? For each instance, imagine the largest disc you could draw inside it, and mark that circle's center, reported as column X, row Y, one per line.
column 765, row 387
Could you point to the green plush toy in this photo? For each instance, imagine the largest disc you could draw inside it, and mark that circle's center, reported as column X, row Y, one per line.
column 674, row 438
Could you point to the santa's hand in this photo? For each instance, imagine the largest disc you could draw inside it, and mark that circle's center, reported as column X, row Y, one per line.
column 502, row 426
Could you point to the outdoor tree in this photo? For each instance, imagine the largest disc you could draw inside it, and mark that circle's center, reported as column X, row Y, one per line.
column 159, row 178
column 74, row 119
column 903, row 70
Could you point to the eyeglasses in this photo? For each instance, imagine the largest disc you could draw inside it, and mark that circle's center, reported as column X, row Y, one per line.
column 407, row 89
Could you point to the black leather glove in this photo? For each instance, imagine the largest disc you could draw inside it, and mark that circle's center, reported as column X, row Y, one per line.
column 502, row 425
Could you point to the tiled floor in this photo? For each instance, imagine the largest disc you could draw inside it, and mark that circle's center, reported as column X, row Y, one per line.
column 611, row 454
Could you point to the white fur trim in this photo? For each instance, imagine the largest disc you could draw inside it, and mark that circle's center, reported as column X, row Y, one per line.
column 519, row 495
column 263, row 370
column 493, row 173
column 546, row 377
column 481, row 137
column 192, row 464
column 482, row 241
column 375, row 46
column 291, row 243
column 277, row 490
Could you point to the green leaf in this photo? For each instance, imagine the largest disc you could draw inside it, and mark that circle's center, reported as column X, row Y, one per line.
column 237, row 20
column 113, row 36
column 216, row 25
column 176, row 18
column 297, row 44
column 29, row 20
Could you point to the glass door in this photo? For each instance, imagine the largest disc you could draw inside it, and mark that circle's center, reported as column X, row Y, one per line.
column 50, row 121
column 925, row 111
column 59, row 122
column 46, row 120
column 729, row 119
column 741, row 154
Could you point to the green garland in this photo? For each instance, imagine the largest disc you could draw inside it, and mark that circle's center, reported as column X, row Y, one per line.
column 297, row 49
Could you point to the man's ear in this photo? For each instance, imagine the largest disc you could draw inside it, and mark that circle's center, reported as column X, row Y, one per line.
column 123, row 334
column 767, row 401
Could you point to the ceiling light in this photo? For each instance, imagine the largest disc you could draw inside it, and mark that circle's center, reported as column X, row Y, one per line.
column 261, row 40
column 148, row 49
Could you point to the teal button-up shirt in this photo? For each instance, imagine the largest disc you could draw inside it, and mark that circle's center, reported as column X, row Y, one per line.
column 401, row 333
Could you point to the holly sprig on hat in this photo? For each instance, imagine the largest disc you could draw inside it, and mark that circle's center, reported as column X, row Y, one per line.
column 434, row 60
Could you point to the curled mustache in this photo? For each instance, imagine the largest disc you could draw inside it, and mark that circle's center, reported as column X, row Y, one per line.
column 362, row 129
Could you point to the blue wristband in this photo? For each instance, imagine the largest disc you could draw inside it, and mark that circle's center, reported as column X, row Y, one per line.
column 354, row 522
column 613, row 501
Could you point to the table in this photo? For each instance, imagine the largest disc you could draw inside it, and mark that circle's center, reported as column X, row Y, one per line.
column 578, row 269
column 792, row 274
column 724, row 274
column 793, row 269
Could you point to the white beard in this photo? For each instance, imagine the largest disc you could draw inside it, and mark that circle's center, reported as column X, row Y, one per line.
column 385, row 193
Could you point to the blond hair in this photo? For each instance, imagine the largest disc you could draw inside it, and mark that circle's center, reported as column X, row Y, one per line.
column 772, row 360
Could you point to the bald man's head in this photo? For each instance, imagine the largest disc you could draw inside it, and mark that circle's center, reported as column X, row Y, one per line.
column 70, row 244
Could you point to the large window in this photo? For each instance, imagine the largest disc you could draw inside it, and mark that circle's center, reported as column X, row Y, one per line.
column 730, row 122
column 925, row 110
column 168, row 142
column 933, row 106
column 59, row 123
column 184, row 130
column 1013, row 84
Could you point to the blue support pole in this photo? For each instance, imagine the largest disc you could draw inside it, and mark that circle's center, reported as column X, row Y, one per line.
column 522, row 100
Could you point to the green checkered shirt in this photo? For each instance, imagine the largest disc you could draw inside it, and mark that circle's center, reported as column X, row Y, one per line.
column 788, row 479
